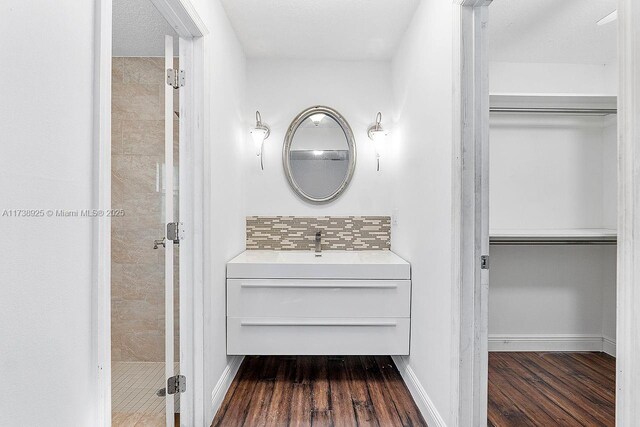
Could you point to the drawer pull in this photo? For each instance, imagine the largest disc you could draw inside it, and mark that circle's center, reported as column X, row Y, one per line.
column 314, row 323
column 319, row 285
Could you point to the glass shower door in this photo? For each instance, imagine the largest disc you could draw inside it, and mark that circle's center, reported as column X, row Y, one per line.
column 139, row 297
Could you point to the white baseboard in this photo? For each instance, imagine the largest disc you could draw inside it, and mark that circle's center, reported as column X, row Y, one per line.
column 426, row 406
column 609, row 346
column 223, row 384
column 571, row 342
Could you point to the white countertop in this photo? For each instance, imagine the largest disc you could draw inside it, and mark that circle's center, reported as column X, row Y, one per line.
column 376, row 265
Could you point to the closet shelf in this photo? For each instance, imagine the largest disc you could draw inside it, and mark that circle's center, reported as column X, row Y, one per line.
column 586, row 236
column 554, row 103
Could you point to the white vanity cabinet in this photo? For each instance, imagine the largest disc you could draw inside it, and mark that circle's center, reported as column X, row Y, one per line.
column 342, row 303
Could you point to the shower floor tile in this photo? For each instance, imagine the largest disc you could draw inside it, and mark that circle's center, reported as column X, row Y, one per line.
column 133, row 391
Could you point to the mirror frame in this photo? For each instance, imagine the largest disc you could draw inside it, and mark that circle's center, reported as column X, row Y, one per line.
column 288, row 140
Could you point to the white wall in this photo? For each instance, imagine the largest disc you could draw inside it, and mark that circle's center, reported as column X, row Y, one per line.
column 609, row 294
column 421, row 161
column 552, row 298
column 281, row 89
column 547, row 290
column 46, row 163
column 610, row 219
column 225, row 156
column 610, row 172
column 547, row 172
column 514, row 77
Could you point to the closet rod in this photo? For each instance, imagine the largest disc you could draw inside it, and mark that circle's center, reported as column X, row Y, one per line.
column 552, row 242
column 588, row 111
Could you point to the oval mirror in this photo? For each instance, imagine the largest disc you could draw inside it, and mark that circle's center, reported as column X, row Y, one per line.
column 319, row 154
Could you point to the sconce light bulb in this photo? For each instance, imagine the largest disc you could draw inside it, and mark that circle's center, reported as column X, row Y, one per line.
column 258, row 135
column 317, row 118
column 379, row 141
column 378, row 135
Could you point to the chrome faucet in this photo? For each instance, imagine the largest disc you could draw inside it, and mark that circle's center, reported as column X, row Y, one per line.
column 318, row 243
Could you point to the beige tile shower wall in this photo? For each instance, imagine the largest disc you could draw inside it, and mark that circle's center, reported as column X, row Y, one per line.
column 137, row 270
column 349, row 233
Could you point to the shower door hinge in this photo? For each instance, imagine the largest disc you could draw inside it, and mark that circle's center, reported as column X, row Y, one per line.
column 484, row 262
column 175, row 78
column 177, row 384
column 175, row 232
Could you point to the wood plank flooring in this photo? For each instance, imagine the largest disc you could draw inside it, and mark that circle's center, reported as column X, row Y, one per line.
column 133, row 419
column 318, row 391
column 551, row 389
column 525, row 389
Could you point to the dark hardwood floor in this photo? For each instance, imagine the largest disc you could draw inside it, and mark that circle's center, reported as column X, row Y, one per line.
column 320, row 391
column 551, row 389
column 525, row 389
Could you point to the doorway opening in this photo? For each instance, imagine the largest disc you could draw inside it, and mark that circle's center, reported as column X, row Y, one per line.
column 553, row 213
column 149, row 104
column 145, row 279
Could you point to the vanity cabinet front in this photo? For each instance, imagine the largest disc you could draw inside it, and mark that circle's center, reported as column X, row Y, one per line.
column 318, row 336
column 307, row 316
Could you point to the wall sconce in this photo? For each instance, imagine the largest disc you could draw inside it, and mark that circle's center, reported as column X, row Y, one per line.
column 378, row 135
column 259, row 133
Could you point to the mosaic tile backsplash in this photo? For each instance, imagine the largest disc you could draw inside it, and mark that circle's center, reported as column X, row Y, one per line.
column 351, row 233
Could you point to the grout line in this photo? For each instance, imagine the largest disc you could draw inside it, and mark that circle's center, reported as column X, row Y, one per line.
column 135, row 385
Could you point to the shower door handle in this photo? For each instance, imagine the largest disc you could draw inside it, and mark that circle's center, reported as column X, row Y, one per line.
column 157, row 243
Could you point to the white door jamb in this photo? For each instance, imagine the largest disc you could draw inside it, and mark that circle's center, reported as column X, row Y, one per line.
column 471, row 213
column 628, row 296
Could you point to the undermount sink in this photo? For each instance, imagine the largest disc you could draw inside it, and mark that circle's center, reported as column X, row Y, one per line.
column 377, row 265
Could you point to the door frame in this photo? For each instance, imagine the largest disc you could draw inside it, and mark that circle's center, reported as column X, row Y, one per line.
column 191, row 31
column 471, row 121
column 628, row 295
column 470, row 227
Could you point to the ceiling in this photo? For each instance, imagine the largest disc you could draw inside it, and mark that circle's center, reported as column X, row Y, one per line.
column 320, row 29
column 139, row 29
column 554, row 31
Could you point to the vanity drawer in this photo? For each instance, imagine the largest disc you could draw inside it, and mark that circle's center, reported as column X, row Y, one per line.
column 317, row 336
column 318, row 298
